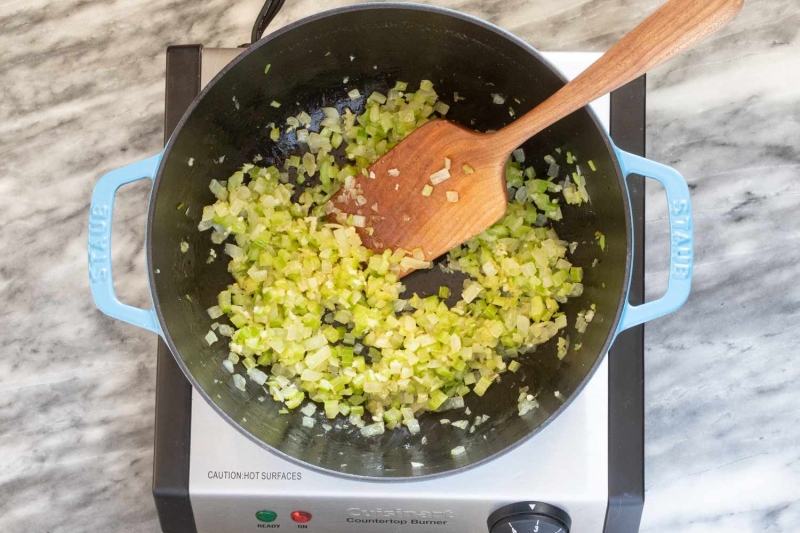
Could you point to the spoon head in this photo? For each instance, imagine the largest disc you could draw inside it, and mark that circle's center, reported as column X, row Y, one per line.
column 396, row 212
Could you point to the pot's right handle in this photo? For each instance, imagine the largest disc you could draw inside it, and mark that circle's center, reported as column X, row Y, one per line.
column 100, row 243
column 681, row 240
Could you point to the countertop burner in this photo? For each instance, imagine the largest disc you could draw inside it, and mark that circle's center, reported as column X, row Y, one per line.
column 584, row 472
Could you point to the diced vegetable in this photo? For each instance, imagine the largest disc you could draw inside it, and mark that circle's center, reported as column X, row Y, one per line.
column 601, row 240
column 373, row 429
column 526, row 402
column 317, row 318
column 439, row 176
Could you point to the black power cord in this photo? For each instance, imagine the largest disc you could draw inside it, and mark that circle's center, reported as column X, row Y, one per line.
column 265, row 16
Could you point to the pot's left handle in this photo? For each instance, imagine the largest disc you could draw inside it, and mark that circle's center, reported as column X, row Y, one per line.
column 681, row 234
column 100, row 243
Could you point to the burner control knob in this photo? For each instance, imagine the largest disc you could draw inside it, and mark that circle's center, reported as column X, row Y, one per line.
column 529, row 517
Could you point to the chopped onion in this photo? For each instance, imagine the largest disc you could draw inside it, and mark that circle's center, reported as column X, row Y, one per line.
column 458, row 450
column 239, row 382
column 427, row 190
column 393, row 172
column 498, row 99
column 411, row 263
column 234, row 251
column 452, row 196
column 257, row 376
column 441, row 108
column 440, row 176
column 373, row 429
column 526, row 402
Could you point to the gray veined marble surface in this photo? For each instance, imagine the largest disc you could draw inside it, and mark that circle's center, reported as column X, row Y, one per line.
column 81, row 92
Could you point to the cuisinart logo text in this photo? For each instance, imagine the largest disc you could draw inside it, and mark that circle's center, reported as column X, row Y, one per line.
column 398, row 516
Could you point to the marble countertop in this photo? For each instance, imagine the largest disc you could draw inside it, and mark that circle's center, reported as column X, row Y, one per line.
column 82, row 93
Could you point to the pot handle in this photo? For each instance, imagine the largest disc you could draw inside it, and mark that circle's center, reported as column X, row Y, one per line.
column 100, row 219
column 681, row 240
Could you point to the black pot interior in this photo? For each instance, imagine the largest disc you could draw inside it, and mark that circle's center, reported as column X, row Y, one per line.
column 309, row 63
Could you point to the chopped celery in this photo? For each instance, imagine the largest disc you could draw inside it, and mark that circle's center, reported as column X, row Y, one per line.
column 316, row 315
column 601, row 240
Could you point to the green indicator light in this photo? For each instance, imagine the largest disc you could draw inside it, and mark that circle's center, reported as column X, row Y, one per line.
column 266, row 516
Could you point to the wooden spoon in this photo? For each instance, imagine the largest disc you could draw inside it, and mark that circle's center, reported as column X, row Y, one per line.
column 406, row 219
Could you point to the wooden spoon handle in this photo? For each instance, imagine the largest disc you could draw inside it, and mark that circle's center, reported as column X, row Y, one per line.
column 674, row 27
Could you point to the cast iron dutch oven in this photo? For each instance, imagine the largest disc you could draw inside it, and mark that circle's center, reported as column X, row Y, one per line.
column 309, row 60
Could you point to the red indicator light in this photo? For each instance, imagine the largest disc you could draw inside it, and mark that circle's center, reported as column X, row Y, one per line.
column 301, row 516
